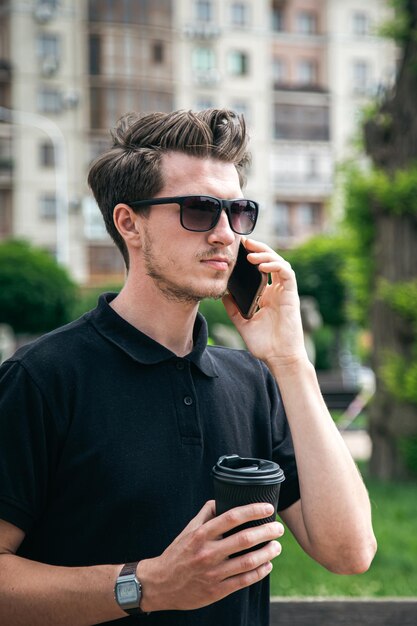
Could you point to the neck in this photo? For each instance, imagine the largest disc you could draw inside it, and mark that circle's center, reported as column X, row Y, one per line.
column 168, row 322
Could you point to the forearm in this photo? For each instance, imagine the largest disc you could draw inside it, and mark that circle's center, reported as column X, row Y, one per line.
column 45, row 595
column 335, row 505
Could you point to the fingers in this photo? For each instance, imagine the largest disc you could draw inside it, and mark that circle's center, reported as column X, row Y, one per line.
column 252, row 560
column 250, row 538
column 238, row 516
column 269, row 261
column 195, row 569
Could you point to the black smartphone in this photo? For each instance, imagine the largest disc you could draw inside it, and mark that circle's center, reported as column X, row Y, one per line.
column 246, row 284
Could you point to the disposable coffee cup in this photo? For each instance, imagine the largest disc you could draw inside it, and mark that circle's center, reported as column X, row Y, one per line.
column 240, row 480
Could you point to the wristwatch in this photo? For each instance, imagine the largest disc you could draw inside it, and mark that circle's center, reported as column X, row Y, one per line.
column 128, row 590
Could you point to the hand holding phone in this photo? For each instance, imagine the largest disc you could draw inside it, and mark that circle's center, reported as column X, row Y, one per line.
column 246, row 284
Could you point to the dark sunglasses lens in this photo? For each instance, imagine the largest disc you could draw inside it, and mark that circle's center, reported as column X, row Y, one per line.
column 199, row 213
column 243, row 216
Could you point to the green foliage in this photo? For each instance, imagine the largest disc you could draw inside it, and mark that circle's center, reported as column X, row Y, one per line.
column 402, row 297
column 408, row 450
column 215, row 313
column 324, row 340
column 400, row 376
column 89, row 296
column 398, row 27
column 319, row 265
column 368, row 196
column 368, row 193
column 36, row 294
column 394, row 511
column 398, row 373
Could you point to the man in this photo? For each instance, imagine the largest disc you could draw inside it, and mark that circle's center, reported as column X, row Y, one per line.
column 109, row 427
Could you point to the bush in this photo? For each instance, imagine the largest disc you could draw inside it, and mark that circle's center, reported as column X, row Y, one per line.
column 36, row 294
column 89, row 296
column 319, row 265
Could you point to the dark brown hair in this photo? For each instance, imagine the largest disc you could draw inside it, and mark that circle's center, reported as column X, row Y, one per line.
column 131, row 169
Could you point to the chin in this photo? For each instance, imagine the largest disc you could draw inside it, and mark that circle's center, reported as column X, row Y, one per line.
column 213, row 292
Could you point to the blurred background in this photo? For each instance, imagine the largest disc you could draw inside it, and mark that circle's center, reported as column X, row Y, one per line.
column 329, row 93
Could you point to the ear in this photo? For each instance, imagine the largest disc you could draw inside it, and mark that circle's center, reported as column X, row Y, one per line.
column 127, row 223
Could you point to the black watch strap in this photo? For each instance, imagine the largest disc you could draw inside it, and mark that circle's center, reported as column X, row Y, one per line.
column 128, row 569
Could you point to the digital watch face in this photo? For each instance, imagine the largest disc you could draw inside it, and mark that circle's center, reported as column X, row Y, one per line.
column 127, row 592
column 246, row 284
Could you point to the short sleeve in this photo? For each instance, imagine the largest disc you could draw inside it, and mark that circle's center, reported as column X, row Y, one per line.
column 24, row 458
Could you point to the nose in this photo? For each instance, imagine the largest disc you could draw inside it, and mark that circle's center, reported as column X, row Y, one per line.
column 222, row 234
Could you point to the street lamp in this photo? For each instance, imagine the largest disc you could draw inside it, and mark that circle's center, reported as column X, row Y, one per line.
column 61, row 168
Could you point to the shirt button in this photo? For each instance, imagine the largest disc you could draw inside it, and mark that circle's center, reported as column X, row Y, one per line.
column 180, row 365
column 188, row 401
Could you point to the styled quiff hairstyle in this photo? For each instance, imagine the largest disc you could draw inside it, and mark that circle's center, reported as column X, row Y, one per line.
column 131, row 169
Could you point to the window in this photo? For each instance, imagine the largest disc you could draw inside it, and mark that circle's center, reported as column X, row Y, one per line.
column 5, row 95
column 238, row 63
column 47, row 154
column 6, row 161
column 48, row 46
column 361, row 78
column 360, row 23
column 47, row 206
column 50, row 3
column 158, row 52
column 277, row 15
column 203, row 10
column 308, row 214
column 49, row 100
column 156, row 12
column 94, row 227
column 239, row 14
column 94, row 48
column 307, row 72
column 306, row 23
column 6, row 219
column 279, row 71
column 107, row 104
column 312, row 167
column 203, row 59
column 282, row 219
column 299, row 122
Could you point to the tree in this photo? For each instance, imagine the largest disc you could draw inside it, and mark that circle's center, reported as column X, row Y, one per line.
column 384, row 203
column 36, row 294
column 320, row 266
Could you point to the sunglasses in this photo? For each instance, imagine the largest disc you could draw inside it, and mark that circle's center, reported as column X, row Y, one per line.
column 201, row 213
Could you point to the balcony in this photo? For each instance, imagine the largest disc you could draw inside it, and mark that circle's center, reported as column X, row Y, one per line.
column 201, row 30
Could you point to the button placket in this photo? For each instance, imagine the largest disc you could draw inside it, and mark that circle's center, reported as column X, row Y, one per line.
column 187, row 406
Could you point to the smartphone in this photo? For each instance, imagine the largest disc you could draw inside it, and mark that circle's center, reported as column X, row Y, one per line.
column 246, row 284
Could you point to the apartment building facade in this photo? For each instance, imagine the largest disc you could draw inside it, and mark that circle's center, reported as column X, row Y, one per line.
column 299, row 70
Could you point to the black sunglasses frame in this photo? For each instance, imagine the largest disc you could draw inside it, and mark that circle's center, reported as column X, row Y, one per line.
column 222, row 204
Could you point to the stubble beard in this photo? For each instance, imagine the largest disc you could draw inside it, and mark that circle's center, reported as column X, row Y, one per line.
column 173, row 291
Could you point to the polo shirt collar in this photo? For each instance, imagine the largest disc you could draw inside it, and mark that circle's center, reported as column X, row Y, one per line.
column 142, row 348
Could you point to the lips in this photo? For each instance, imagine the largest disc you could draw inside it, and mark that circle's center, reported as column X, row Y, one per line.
column 218, row 263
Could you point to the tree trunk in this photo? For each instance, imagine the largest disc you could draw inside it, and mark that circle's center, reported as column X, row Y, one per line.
column 391, row 142
column 395, row 256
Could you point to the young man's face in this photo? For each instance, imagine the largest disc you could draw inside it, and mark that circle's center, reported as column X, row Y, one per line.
column 189, row 266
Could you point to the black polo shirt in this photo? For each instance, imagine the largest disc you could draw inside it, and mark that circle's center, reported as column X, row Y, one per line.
column 107, row 440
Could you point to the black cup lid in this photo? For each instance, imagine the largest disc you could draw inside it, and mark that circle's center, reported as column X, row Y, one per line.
column 236, row 469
